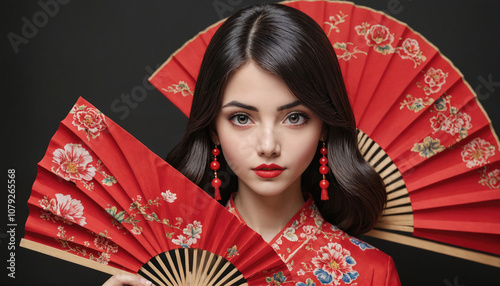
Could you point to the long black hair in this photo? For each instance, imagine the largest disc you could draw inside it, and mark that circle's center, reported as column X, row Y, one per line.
column 288, row 43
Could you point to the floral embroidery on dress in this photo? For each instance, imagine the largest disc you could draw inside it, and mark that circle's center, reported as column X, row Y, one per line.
column 308, row 282
column 182, row 87
column 101, row 241
column 428, row 148
column 73, row 164
column 490, row 179
column 63, row 208
column 362, row 245
column 434, row 79
column 290, row 234
column 334, row 263
column 89, row 120
column 477, row 152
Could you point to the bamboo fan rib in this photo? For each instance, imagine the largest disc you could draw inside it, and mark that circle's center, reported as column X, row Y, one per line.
column 398, row 212
column 191, row 267
column 398, row 215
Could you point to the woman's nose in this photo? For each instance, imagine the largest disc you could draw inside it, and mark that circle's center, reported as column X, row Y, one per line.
column 268, row 142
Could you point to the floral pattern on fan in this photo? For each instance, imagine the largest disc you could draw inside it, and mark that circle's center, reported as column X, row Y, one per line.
column 455, row 123
column 182, row 87
column 101, row 241
column 348, row 54
column 415, row 103
column 88, row 119
column 335, row 21
column 381, row 39
column 477, row 152
column 63, row 208
column 185, row 236
column 429, row 147
column 434, row 79
column 74, row 164
column 490, row 179
column 276, row 279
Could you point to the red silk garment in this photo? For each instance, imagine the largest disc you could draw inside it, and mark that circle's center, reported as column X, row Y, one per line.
column 318, row 253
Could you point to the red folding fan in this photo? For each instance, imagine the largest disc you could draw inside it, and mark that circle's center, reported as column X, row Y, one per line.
column 420, row 126
column 103, row 200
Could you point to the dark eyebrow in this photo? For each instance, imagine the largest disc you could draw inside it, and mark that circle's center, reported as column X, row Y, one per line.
column 290, row 105
column 241, row 105
column 249, row 107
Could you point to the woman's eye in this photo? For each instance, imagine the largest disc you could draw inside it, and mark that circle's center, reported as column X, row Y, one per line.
column 296, row 119
column 240, row 119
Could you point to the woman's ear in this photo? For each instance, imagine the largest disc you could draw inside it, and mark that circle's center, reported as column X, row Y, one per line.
column 214, row 136
column 324, row 133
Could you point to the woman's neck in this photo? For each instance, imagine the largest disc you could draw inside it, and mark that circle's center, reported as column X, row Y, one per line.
column 268, row 215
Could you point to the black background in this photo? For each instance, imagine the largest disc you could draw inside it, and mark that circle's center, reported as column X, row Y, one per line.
column 102, row 49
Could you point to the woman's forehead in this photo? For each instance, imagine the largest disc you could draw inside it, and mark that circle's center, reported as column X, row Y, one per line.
column 251, row 84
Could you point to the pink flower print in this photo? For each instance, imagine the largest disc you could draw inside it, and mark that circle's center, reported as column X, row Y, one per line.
column 491, row 180
column 193, row 231
column 453, row 124
column 73, row 163
column 380, row 38
column 362, row 29
column 183, row 241
column 434, row 78
column 89, row 120
column 477, row 152
column 411, row 48
column 333, row 264
column 104, row 258
column 169, row 196
column 71, row 210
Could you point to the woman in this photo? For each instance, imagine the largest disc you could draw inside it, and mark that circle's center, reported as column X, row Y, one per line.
column 271, row 99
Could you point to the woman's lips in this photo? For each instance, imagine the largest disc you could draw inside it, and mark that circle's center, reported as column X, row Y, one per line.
column 268, row 171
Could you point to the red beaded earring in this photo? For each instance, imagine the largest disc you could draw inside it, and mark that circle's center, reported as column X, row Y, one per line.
column 215, row 165
column 323, row 171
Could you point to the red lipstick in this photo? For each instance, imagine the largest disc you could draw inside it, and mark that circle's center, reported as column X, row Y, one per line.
column 268, row 171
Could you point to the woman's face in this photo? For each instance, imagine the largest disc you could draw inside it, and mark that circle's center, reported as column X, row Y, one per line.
column 267, row 136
